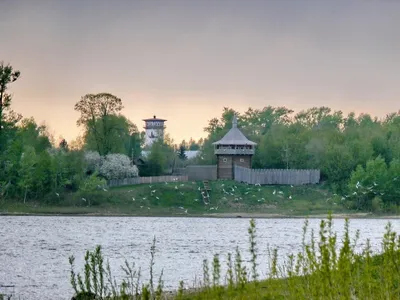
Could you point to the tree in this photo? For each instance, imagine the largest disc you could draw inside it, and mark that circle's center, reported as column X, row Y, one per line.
column 117, row 166
column 181, row 152
column 123, row 136
column 27, row 170
column 63, row 145
column 97, row 115
column 7, row 76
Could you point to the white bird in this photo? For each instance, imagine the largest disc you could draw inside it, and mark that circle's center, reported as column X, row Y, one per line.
column 157, row 198
column 291, row 186
column 274, row 192
column 153, row 191
column 196, row 200
column 133, row 199
column 280, row 192
column 84, row 199
column 186, row 211
column 180, row 207
column 290, row 197
column 104, row 189
column 150, row 186
column 176, row 187
column 141, row 206
column 58, row 195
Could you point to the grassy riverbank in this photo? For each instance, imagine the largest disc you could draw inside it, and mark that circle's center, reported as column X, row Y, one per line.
column 324, row 268
column 228, row 199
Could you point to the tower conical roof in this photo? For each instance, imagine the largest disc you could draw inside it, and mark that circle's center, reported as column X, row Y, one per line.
column 234, row 136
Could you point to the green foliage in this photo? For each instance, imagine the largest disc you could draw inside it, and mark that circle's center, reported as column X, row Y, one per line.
column 105, row 130
column 92, row 183
column 317, row 138
column 117, row 135
column 181, row 152
column 7, row 75
column 376, row 185
column 97, row 281
column 160, row 160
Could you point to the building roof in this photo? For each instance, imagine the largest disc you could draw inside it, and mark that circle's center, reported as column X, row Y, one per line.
column 154, row 119
column 234, row 136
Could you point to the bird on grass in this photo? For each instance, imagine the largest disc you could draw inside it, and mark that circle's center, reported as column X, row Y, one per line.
column 57, row 194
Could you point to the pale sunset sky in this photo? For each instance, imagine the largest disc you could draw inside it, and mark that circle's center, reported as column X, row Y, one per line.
column 184, row 60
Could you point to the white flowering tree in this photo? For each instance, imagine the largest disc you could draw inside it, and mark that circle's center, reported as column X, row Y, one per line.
column 117, row 166
column 93, row 161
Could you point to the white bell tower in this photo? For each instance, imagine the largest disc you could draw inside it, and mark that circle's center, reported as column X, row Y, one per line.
column 154, row 129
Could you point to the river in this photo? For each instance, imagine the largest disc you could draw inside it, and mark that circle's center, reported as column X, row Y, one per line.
column 34, row 250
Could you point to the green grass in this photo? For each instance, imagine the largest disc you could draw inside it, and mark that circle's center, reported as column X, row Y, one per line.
column 322, row 269
column 227, row 197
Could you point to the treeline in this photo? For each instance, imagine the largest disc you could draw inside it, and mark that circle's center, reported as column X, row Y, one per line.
column 35, row 166
column 358, row 155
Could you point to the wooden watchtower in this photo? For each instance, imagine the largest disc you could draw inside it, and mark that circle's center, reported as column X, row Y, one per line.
column 233, row 149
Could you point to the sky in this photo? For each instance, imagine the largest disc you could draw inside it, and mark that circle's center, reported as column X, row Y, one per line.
column 185, row 60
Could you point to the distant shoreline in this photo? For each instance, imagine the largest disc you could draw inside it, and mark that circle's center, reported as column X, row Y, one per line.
column 232, row 215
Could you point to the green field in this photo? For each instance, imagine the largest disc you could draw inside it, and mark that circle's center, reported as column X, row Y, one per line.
column 227, row 198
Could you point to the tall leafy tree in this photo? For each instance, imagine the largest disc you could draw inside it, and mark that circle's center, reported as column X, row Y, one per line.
column 7, row 76
column 122, row 136
column 98, row 113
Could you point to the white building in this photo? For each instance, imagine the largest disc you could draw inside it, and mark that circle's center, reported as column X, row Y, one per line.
column 154, row 129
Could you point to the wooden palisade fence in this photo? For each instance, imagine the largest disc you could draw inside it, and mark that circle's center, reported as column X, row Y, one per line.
column 148, row 180
column 276, row 176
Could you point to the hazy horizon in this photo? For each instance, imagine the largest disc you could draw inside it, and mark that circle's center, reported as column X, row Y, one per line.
column 185, row 60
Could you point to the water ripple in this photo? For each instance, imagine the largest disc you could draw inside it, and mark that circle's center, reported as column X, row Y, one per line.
column 34, row 251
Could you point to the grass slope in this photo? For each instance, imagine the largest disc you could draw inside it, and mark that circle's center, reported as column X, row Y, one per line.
column 184, row 199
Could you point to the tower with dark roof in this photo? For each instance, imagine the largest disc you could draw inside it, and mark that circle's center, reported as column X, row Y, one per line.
column 233, row 149
column 154, row 130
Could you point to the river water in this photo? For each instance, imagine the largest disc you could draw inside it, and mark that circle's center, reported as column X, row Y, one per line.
column 34, row 250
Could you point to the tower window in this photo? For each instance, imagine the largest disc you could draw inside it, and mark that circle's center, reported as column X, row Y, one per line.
column 242, row 160
column 224, row 159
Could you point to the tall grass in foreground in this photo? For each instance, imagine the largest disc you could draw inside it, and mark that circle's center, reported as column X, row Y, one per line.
column 322, row 269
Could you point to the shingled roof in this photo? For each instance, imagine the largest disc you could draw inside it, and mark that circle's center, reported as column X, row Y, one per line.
column 234, row 136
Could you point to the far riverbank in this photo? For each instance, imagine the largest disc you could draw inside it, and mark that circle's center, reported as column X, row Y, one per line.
column 228, row 199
